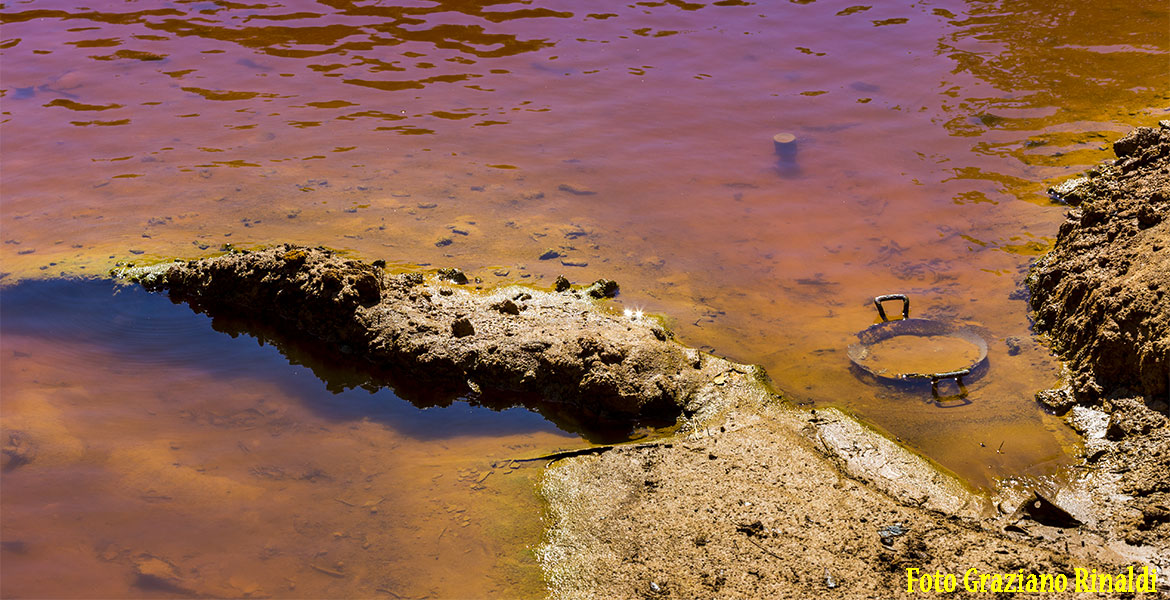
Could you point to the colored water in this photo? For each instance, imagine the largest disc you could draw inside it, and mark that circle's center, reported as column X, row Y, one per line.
column 135, row 432
column 634, row 140
column 920, row 354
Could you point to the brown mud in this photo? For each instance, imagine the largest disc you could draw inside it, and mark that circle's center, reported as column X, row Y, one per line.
column 751, row 497
column 513, row 339
column 1101, row 296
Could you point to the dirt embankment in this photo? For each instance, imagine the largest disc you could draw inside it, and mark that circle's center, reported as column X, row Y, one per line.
column 556, row 345
column 751, row 498
column 1101, row 294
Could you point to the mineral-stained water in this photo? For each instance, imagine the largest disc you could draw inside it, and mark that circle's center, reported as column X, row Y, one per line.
column 628, row 141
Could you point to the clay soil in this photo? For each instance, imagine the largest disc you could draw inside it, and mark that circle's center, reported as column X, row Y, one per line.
column 1101, row 296
column 753, row 497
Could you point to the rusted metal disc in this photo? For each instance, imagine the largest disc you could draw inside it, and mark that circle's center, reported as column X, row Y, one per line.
column 911, row 349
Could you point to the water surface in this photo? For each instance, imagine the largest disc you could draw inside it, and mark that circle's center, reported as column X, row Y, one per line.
column 134, row 432
column 634, row 140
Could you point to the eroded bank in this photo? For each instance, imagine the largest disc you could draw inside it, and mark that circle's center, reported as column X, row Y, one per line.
column 1101, row 297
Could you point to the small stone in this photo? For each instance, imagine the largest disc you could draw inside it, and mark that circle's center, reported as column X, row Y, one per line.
column 573, row 232
column 1060, row 400
column 453, row 275
column 1013, row 345
column 570, row 262
column 603, row 288
column 1116, row 428
column 159, row 573
column 1148, row 217
column 507, row 307
column 1135, row 140
column 550, row 254
column 444, row 241
column 1073, row 191
column 18, row 450
column 562, row 283
column 462, row 327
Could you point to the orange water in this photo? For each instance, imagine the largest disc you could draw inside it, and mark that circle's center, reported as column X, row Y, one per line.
column 920, row 354
column 635, row 140
column 143, row 434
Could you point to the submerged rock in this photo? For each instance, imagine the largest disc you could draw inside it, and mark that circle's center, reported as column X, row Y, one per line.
column 603, row 288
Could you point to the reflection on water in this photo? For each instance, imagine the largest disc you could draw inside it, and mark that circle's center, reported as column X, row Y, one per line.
column 178, row 460
column 633, row 141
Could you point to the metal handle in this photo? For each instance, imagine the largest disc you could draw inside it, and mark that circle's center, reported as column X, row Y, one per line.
column 882, row 311
column 958, row 377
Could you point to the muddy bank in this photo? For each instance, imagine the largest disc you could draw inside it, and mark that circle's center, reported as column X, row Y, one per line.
column 1101, row 296
column 553, row 344
column 762, row 508
column 1101, row 291
column 751, row 498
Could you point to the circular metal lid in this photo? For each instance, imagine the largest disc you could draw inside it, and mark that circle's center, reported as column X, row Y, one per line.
column 917, row 349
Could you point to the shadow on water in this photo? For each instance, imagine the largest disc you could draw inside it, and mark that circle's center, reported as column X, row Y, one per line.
column 145, row 331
